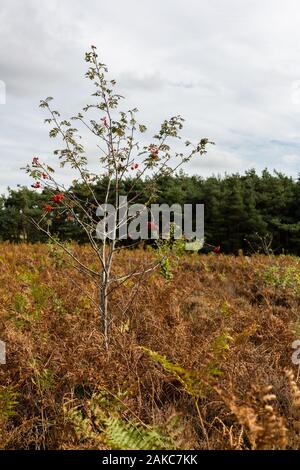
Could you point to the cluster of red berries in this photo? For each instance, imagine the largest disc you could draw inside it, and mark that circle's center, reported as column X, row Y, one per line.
column 134, row 166
column 36, row 162
column 48, row 208
column 104, row 121
column 37, row 184
column 58, row 198
column 153, row 151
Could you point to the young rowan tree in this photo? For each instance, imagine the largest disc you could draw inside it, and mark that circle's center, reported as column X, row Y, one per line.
column 120, row 154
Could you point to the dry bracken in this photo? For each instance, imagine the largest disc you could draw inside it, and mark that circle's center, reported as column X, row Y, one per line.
column 197, row 362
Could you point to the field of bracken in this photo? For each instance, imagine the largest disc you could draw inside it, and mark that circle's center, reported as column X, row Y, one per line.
column 203, row 361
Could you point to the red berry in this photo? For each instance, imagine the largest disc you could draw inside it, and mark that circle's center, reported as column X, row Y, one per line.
column 152, row 225
column 48, row 208
column 58, row 198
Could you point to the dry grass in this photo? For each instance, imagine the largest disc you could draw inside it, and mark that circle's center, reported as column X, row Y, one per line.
column 228, row 322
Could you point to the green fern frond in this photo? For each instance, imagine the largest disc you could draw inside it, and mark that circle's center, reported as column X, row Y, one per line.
column 192, row 383
column 129, row 436
column 8, row 402
column 221, row 347
column 102, row 424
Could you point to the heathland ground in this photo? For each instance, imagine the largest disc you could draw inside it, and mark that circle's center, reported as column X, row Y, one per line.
column 201, row 361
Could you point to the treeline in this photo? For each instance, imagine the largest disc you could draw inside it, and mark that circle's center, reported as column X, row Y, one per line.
column 250, row 212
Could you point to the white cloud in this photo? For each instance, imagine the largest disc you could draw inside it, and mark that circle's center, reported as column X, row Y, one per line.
column 217, row 161
column 290, row 159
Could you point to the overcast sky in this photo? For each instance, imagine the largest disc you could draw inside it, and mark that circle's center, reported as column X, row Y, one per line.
column 231, row 68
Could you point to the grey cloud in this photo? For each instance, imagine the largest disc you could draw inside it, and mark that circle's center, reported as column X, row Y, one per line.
column 136, row 81
column 230, row 68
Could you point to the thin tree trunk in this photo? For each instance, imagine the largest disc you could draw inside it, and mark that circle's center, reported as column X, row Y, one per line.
column 104, row 308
